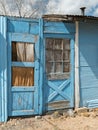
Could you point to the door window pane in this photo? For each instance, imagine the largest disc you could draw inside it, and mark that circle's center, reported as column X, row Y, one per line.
column 22, row 76
column 58, row 56
column 49, row 55
column 58, row 67
column 66, row 46
column 66, row 67
column 49, row 44
column 50, row 67
column 66, row 55
column 58, row 44
column 22, row 52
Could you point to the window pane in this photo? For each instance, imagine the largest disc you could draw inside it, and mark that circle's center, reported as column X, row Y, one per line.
column 49, row 44
column 58, row 67
column 29, row 52
column 58, row 44
column 23, row 52
column 50, row 67
column 22, row 76
column 49, row 55
column 66, row 45
column 57, row 58
column 66, row 55
column 66, row 67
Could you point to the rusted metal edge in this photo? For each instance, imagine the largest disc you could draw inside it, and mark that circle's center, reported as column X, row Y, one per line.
column 56, row 17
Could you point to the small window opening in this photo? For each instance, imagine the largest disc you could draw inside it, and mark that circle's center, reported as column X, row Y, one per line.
column 22, row 52
column 22, row 76
column 57, row 58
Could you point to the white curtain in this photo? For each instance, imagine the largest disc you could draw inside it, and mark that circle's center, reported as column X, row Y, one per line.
column 25, row 52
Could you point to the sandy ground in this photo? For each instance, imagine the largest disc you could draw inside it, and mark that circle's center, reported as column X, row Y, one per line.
column 48, row 122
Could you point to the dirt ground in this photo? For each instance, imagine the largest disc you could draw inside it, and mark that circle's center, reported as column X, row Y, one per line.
column 87, row 121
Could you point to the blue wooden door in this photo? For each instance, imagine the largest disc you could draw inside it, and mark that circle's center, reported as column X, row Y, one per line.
column 59, row 73
column 23, row 74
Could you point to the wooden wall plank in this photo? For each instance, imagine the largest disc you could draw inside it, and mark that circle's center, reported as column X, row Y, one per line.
column 59, row 27
column 88, row 63
column 3, row 70
column 23, row 26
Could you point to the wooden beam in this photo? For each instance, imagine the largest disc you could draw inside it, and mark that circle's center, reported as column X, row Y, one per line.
column 77, row 91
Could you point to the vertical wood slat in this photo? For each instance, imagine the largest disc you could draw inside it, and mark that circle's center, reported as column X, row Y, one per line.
column 3, row 70
column 41, row 71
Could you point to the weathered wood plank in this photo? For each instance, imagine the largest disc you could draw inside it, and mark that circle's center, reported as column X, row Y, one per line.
column 19, row 26
column 3, row 70
column 58, row 27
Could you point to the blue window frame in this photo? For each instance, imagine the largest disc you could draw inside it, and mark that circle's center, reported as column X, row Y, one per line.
column 57, row 58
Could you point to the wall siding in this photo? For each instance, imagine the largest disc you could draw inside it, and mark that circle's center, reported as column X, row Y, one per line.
column 88, row 53
column 59, row 27
column 3, row 70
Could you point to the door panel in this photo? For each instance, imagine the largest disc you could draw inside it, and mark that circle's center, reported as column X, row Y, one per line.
column 23, row 74
column 58, row 94
column 22, row 100
column 59, row 75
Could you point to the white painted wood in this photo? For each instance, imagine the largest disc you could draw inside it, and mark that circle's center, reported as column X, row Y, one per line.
column 77, row 91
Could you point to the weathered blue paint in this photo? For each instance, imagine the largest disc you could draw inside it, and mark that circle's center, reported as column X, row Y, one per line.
column 27, row 26
column 72, row 74
column 59, row 94
column 24, row 30
column 3, row 69
column 41, row 80
column 23, row 100
column 59, row 27
column 9, row 71
column 23, row 64
column 88, row 46
column 26, row 37
column 16, row 101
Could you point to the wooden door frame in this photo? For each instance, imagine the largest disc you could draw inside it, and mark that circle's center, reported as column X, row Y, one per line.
column 23, row 38
column 72, row 75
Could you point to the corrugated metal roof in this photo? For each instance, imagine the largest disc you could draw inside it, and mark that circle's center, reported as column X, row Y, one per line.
column 56, row 17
